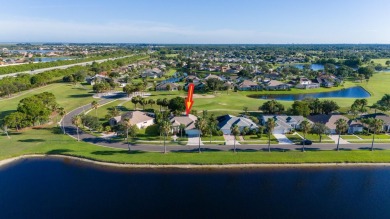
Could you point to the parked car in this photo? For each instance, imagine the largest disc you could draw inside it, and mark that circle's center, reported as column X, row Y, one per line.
column 307, row 142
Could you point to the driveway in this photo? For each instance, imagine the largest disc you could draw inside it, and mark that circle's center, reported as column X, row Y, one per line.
column 194, row 141
column 229, row 140
column 336, row 137
column 282, row 139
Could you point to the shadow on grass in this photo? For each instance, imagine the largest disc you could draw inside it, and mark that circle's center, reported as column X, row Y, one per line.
column 117, row 152
column 59, row 151
column 307, row 149
column 344, row 149
column 196, row 150
column 244, row 150
column 273, row 149
column 369, row 148
column 79, row 95
column 32, row 140
column 6, row 112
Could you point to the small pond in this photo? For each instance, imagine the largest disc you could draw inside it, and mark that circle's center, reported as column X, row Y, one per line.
column 352, row 92
column 314, row 67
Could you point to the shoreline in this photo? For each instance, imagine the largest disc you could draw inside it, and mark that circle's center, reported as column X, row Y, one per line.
column 189, row 166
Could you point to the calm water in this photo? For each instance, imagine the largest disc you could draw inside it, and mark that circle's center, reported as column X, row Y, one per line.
column 51, row 59
column 353, row 92
column 314, row 67
column 48, row 188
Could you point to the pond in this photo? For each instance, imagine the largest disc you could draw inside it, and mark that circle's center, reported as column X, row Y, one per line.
column 63, row 188
column 51, row 59
column 314, row 67
column 352, row 92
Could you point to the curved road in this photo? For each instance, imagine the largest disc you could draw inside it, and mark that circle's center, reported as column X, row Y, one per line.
column 71, row 131
column 61, row 67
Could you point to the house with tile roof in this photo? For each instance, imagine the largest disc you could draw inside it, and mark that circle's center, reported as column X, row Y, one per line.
column 283, row 123
column 188, row 122
column 141, row 119
column 226, row 122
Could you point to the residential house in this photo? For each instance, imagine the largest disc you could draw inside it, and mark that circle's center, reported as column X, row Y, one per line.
column 189, row 124
column 167, row 87
column 152, row 73
column 328, row 120
column 192, row 79
column 213, row 76
column 277, row 85
column 226, row 122
column 283, row 123
column 305, row 83
column 355, row 126
column 141, row 119
column 384, row 117
column 96, row 79
column 248, row 85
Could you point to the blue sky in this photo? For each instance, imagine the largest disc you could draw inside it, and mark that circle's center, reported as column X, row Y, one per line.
column 196, row 21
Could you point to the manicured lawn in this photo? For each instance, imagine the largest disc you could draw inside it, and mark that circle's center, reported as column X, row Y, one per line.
column 350, row 137
column 294, row 138
column 67, row 95
column 316, row 138
column 43, row 141
column 381, row 136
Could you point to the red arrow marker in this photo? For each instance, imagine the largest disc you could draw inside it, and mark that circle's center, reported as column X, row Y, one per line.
column 188, row 101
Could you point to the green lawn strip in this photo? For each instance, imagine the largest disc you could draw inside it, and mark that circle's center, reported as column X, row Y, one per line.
column 316, row 138
column 350, row 137
column 44, row 141
column 380, row 136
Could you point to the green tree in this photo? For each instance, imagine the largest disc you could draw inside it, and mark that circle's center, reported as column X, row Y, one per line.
column 176, row 103
column 201, row 125
column 329, row 106
column 375, row 125
column 270, row 128
column 95, row 105
column 300, row 108
column 235, row 131
column 61, row 111
column 76, row 121
column 272, row 107
column 305, row 127
column 128, row 89
column 165, row 128
column 319, row 129
column 384, row 103
column 151, row 102
column 341, row 127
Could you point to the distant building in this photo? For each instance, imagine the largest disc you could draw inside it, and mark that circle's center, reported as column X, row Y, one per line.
column 167, row 87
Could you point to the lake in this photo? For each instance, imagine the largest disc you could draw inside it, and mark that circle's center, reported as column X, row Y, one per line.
column 63, row 188
column 352, row 92
column 314, row 67
column 51, row 59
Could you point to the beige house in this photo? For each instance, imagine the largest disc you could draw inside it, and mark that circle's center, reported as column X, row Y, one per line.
column 141, row 119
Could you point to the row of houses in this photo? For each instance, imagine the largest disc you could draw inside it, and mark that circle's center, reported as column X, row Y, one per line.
column 283, row 123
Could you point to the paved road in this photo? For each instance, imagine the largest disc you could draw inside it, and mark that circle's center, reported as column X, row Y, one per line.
column 37, row 71
column 71, row 130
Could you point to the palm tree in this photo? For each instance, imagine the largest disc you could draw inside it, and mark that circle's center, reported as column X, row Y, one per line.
column 61, row 111
column 201, row 125
column 159, row 102
column 135, row 100
column 165, row 128
column 114, row 112
column 270, row 127
column 76, row 121
column 165, row 102
column 143, row 102
column 127, row 124
column 235, row 131
column 181, row 127
column 151, row 102
column 95, row 106
column 305, row 128
column 341, row 127
column 375, row 125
